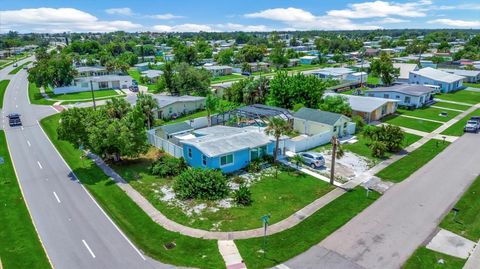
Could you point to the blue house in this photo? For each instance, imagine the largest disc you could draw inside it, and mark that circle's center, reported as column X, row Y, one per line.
column 309, row 59
column 428, row 76
column 407, row 94
column 226, row 148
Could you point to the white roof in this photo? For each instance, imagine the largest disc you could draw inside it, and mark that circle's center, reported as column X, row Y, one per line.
column 462, row 72
column 405, row 69
column 219, row 140
column 438, row 75
column 152, row 73
column 165, row 100
column 308, row 57
column 363, row 103
column 217, row 67
column 334, row 71
column 82, row 69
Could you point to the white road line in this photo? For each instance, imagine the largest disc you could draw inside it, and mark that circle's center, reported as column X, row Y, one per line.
column 282, row 266
column 28, row 143
column 22, row 128
column 16, row 106
column 39, row 165
column 88, row 248
column 56, row 197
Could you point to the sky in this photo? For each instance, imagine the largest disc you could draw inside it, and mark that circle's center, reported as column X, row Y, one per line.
column 53, row 16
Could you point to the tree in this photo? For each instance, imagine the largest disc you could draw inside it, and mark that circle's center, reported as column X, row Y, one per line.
column 277, row 56
column 117, row 108
column 73, row 127
column 297, row 159
column 251, row 53
column 147, row 105
column 169, row 77
column 336, row 104
column 277, row 127
column 186, row 54
column 190, row 80
column 337, row 153
column 225, row 56
column 385, row 138
column 211, row 104
column 54, row 70
column 384, row 68
column 293, row 42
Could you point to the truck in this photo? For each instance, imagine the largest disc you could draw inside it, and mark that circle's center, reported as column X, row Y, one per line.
column 473, row 125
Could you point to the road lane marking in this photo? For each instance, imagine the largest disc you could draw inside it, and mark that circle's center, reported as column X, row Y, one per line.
column 56, row 197
column 39, row 165
column 28, row 143
column 16, row 106
column 88, row 248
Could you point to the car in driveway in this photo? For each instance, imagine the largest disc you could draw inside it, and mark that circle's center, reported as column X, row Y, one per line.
column 14, row 119
column 313, row 159
column 473, row 125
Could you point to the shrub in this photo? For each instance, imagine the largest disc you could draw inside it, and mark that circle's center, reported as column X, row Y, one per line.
column 254, row 166
column 200, row 183
column 167, row 166
column 378, row 149
column 243, row 196
column 268, row 159
column 359, row 122
column 238, row 180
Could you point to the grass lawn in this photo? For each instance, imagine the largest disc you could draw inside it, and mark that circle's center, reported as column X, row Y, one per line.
column 469, row 97
column 135, row 74
column 226, row 78
column 292, row 189
column 451, row 105
column 36, row 97
column 430, row 113
column 20, row 246
column 407, row 165
column 84, row 96
column 18, row 68
column 457, row 128
column 3, row 88
column 416, row 124
column 424, row 258
column 373, row 80
column 287, row 244
column 198, row 114
column 467, row 223
column 473, row 85
column 138, row 226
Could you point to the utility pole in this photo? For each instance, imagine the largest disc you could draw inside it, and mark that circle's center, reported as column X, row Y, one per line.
column 93, row 96
column 334, row 142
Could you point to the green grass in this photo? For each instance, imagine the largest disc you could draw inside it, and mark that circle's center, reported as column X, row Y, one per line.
column 136, row 75
column 424, row 258
column 467, row 222
column 36, row 97
column 198, row 114
column 407, row 165
column 469, row 97
column 84, row 96
column 138, row 226
column 292, row 189
column 289, row 243
column 18, row 68
column 416, row 124
column 457, row 128
column 3, row 88
column 371, row 79
column 451, row 105
column 20, row 246
column 430, row 113
column 226, row 78
column 473, row 85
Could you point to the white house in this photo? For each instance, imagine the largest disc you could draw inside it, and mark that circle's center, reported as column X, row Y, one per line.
column 407, row 95
column 405, row 70
column 338, row 73
column 429, row 76
column 174, row 106
column 219, row 70
column 471, row 76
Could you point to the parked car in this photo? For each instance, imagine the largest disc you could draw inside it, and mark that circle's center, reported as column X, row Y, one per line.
column 134, row 88
column 246, row 74
column 15, row 65
column 25, row 68
column 313, row 159
column 14, row 119
column 472, row 126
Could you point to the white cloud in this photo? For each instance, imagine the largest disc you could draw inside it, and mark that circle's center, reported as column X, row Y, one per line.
column 60, row 20
column 283, row 14
column 456, row 23
column 187, row 27
column 389, row 20
column 458, row 7
column 241, row 27
column 166, row 16
column 382, row 9
column 120, row 11
column 227, row 27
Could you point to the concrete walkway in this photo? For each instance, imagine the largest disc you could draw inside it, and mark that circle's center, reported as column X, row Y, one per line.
column 473, row 261
column 447, row 108
column 451, row 244
column 230, row 254
column 418, row 118
column 452, row 102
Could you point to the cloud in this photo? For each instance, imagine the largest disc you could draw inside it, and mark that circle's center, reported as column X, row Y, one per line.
column 227, row 27
column 187, row 27
column 456, row 23
column 120, row 11
column 382, row 9
column 60, row 20
column 283, row 14
column 458, row 7
column 389, row 20
column 166, row 16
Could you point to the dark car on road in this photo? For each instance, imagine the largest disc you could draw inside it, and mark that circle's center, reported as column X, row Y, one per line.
column 14, row 119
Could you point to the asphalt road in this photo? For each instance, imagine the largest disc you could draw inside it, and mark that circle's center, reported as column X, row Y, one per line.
column 75, row 231
column 385, row 234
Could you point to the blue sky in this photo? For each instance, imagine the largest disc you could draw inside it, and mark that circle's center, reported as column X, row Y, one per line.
column 246, row 15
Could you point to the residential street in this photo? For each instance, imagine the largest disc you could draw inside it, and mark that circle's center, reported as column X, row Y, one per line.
column 387, row 233
column 74, row 230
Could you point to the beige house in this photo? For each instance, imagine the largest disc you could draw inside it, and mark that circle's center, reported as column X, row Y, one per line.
column 312, row 122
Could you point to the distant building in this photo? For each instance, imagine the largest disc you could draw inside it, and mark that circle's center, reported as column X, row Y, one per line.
column 429, row 76
column 219, row 70
column 309, row 59
column 471, row 76
column 405, row 70
column 407, row 95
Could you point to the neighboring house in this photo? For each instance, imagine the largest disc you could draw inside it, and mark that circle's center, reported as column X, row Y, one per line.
column 371, row 52
column 339, row 73
column 427, row 63
column 313, row 121
column 407, row 95
column 168, row 57
column 309, row 59
column 169, row 131
column 142, row 66
column 152, row 75
column 471, row 76
column 429, row 76
column 405, row 70
column 174, row 106
column 219, row 70
column 369, row 108
column 226, row 148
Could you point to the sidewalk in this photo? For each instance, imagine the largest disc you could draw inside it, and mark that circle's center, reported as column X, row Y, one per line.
column 473, row 261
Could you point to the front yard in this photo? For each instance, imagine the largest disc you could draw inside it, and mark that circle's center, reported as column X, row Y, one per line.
column 424, row 258
column 416, row 124
column 452, row 105
column 83, row 96
column 469, row 97
column 280, row 197
column 457, row 128
column 403, row 168
column 430, row 113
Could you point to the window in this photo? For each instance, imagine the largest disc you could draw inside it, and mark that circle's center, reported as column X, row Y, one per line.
column 259, row 152
column 407, row 100
column 204, row 160
column 371, row 94
column 386, row 96
column 84, row 85
column 103, row 84
column 226, row 160
column 398, row 96
column 189, row 153
column 384, row 109
column 345, row 125
column 334, row 128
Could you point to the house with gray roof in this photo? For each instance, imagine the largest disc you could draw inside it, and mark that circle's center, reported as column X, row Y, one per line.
column 174, row 106
column 310, row 121
column 429, row 76
column 471, row 76
column 219, row 70
column 409, row 95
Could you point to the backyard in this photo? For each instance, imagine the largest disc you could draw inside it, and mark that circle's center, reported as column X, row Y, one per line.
column 457, row 128
column 292, row 189
column 406, row 166
column 464, row 96
column 416, row 124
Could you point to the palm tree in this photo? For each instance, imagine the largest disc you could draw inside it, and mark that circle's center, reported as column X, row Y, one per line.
column 211, row 104
column 297, row 159
column 337, row 152
column 147, row 104
column 276, row 128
